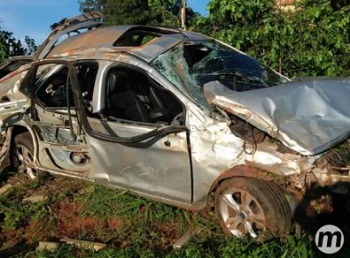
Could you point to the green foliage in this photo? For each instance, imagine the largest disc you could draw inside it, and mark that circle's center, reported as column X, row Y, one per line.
column 313, row 40
column 321, row 41
column 170, row 11
column 121, row 12
column 91, row 5
column 10, row 46
column 17, row 214
column 31, row 46
column 2, row 51
column 146, row 228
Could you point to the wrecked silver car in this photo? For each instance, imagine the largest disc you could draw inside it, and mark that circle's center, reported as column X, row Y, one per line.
column 175, row 116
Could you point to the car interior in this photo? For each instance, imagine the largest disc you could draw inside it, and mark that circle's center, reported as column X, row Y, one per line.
column 52, row 89
column 133, row 96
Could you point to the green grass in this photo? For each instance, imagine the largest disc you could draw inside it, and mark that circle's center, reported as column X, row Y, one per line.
column 130, row 226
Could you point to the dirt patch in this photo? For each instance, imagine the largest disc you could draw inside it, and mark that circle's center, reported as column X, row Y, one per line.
column 80, row 227
column 114, row 223
column 167, row 234
column 12, row 235
column 67, row 209
column 79, row 210
column 38, row 230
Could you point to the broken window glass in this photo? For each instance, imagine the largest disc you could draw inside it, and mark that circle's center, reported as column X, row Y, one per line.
column 196, row 63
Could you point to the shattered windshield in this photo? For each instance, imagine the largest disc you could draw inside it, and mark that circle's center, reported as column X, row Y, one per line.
column 196, row 63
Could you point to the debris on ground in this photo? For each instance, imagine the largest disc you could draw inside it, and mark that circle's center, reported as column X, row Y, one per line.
column 5, row 188
column 186, row 237
column 84, row 244
column 49, row 246
column 35, row 199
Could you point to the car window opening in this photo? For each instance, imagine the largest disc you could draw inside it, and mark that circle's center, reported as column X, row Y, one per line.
column 87, row 73
column 136, row 37
column 133, row 96
column 52, row 89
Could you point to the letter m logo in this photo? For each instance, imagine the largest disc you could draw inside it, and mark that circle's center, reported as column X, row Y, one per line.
column 328, row 236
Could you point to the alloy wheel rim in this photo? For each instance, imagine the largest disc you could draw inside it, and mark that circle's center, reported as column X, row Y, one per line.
column 241, row 213
column 25, row 158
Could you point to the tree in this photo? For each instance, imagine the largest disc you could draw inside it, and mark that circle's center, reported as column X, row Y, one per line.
column 170, row 11
column 2, row 49
column 118, row 12
column 321, row 43
column 31, row 46
column 313, row 40
column 251, row 26
column 10, row 46
column 91, row 5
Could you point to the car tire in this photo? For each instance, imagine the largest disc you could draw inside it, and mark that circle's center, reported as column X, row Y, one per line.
column 249, row 206
column 22, row 155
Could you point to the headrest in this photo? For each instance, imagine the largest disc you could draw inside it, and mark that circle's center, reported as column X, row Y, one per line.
column 118, row 81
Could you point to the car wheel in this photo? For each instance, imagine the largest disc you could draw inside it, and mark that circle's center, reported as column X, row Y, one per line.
column 22, row 157
column 248, row 206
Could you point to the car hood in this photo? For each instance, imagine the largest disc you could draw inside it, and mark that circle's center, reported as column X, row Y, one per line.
column 307, row 116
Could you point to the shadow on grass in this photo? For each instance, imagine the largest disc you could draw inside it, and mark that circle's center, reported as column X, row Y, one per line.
column 333, row 208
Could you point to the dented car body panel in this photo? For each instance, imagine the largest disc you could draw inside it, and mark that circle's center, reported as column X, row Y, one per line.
column 13, row 102
column 309, row 117
column 167, row 114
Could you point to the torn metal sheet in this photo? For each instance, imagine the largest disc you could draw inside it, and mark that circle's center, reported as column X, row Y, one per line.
column 308, row 117
column 104, row 37
column 123, row 37
column 159, row 45
column 85, row 21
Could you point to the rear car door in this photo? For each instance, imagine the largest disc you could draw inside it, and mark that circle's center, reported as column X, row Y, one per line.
column 62, row 146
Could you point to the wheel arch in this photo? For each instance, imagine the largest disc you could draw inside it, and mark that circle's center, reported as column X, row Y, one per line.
column 23, row 128
column 244, row 171
column 17, row 129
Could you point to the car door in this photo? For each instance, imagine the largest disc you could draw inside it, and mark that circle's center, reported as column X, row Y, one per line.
column 62, row 146
column 136, row 136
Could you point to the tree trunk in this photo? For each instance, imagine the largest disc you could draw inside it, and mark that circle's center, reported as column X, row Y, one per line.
column 183, row 15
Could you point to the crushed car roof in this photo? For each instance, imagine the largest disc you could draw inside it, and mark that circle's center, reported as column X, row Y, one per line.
column 125, row 38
